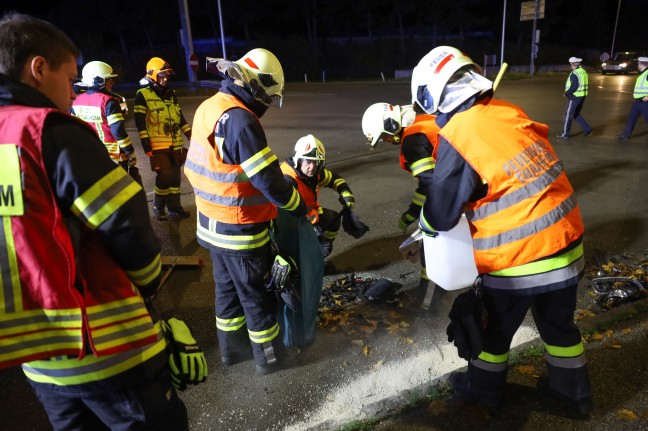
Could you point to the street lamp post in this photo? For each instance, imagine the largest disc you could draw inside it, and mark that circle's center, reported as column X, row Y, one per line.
column 615, row 29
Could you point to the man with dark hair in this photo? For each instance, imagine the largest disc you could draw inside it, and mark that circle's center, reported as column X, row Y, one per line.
column 78, row 252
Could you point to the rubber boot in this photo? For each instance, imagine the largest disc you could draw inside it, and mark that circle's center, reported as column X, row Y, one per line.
column 571, row 385
column 234, row 346
column 175, row 208
column 479, row 386
column 159, row 204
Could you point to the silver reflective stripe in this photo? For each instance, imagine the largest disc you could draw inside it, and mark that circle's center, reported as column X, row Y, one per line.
column 531, row 228
column 43, row 340
column 35, row 320
column 577, row 362
column 231, row 201
column 529, row 281
column 517, row 196
column 269, row 353
column 123, row 332
column 219, row 177
column 234, row 242
column 488, row 366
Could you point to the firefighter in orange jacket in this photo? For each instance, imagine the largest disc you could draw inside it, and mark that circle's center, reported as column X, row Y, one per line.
column 416, row 133
column 306, row 171
column 79, row 252
column 497, row 166
column 238, row 186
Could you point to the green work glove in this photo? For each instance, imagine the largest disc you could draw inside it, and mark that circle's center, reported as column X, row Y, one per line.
column 405, row 220
column 186, row 359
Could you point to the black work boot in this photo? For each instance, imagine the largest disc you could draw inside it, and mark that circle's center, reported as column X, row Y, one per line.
column 159, row 203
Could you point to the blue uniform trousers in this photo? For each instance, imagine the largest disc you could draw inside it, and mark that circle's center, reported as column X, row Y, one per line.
column 572, row 112
column 638, row 108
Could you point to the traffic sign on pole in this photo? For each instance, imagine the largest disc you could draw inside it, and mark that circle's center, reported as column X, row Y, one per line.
column 193, row 62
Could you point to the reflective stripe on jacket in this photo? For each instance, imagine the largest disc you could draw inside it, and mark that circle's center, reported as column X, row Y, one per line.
column 641, row 85
column 54, row 301
column 91, row 108
column 224, row 192
column 163, row 121
column 423, row 123
column 529, row 211
column 308, row 195
column 582, row 89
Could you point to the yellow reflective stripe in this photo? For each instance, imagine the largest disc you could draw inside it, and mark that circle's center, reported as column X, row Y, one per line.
column 419, row 199
column 144, row 276
column 424, row 223
column 326, row 178
column 565, row 352
column 494, row 359
column 125, row 332
column 44, row 342
column 422, row 165
column 261, row 337
column 293, row 203
column 542, row 266
column 37, row 320
column 11, row 298
column 126, row 142
column 186, row 128
column 72, row 371
column 339, row 181
column 143, row 134
column 230, row 324
column 161, row 192
column 140, row 109
column 115, row 118
column 258, row 161
column 106, row 314
column 105, row 197
column 233, row 242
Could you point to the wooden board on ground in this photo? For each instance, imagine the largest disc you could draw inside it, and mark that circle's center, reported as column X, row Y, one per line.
column 181, row 261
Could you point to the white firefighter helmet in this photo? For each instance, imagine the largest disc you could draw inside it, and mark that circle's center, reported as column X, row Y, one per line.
column 438, row 68
column 95, row 73
column 310, row 148
column 381, row 118
column 261, row 72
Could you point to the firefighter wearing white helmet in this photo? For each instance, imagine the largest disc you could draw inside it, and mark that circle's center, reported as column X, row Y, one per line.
column 496, row 165
column 417, row 137
column 102, row 109
column 307, row 172
column 238, row 186
column 161, row 124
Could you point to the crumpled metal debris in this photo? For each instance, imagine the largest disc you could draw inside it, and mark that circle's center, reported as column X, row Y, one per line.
column 614, row 291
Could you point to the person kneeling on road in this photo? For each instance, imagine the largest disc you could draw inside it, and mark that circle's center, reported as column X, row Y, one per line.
column 306, row 171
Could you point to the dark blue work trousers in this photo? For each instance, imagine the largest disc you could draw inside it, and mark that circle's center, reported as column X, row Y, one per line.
column 152, row 405
column 638, row 108
column 572, row 112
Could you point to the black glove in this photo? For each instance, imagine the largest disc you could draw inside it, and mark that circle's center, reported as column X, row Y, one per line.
column 352, row 224
column 280, row 272
column 466, row 324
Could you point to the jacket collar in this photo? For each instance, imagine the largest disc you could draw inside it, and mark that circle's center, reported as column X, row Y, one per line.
column 13, row 92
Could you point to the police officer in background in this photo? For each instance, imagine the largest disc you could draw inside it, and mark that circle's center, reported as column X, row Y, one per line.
column 526, row 230
column 238, row 186
column 79, row 252
column 160, row 123
column 576, row 90
column 102, row 109
column 640, row 105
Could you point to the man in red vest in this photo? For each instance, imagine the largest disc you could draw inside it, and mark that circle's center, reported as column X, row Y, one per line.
column 79, row 252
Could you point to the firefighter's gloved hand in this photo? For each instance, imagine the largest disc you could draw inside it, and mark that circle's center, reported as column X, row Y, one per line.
column 466, row 327
column 405, row 220
column 280, row 272
column 349, row 199
column 186, row 360
column 132, row 160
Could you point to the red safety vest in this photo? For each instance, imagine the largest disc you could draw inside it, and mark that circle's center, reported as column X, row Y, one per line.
column 91, row 108
column 223, row 192
column 307, row 194
column 43, row 312
column 423, row 123
column 529, row 211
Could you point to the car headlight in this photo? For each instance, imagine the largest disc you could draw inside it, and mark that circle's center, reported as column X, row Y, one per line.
column 623, row 65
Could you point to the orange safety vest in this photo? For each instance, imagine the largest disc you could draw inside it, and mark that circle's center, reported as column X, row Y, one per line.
column 223, row 191
column 55, row 301
column 423, row 123
column 308, row 195
column 530, row 211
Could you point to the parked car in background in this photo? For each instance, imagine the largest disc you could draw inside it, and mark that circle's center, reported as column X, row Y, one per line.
column 622, row 62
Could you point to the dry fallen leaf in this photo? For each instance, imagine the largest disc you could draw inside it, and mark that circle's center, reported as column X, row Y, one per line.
column 627, row 331
column 437, row 407
column 627, row 415
column 615, row 346
column 597, row 336
column 365, row 350
column 393, row 329
column 378, row 364
column 529, row 370
column 407, row 340
column 368, row 329
column 404, row 324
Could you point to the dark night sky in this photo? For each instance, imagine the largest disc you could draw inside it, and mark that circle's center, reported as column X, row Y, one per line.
column 133, row 25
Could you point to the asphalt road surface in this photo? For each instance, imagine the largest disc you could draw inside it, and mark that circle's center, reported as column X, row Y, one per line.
column 402, row 354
